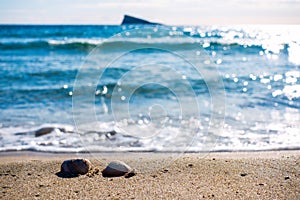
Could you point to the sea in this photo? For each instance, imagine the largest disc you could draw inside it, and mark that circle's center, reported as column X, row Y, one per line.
column 149, row 88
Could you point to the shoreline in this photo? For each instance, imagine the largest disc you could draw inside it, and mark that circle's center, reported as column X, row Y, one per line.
column 231, row 175
column 28, row 155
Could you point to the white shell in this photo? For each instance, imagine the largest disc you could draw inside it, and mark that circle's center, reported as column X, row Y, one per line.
column 76, row 166
column 116, row 168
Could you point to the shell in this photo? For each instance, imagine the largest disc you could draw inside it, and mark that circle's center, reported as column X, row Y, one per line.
column 117, row 168
column 76, row 166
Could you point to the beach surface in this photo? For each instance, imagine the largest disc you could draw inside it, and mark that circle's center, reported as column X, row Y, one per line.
column 243, row 175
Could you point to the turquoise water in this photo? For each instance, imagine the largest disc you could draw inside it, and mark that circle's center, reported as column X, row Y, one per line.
column 150, row 88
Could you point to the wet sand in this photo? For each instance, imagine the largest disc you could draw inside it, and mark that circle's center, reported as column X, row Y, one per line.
column 249, row 175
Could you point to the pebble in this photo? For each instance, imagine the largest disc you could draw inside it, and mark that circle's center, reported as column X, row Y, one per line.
column 118, row 168
column 76, row 166
column 244, row 174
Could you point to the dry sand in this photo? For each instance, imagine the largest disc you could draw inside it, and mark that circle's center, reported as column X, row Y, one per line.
column 255, row 175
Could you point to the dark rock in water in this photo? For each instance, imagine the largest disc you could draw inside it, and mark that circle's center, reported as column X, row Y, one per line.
column 46, row 130
column 111, row 135
column 43, row 131
column 133, row 20
column 118, row 168
column 75, row 167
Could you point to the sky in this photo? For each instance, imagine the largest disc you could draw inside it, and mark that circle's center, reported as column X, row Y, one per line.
column 171, row 12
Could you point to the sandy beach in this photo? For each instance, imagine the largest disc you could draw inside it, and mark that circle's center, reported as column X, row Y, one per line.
column 254, row 175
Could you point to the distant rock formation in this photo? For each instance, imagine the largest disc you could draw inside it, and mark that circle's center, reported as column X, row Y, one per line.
column 133, row 20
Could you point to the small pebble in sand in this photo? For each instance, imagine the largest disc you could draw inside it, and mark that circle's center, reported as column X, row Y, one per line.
column 286, row 178
column 244, row 174
column 76, row 166
column 118, row 168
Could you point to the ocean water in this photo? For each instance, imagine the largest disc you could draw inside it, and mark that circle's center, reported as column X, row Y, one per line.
column 149, row 88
